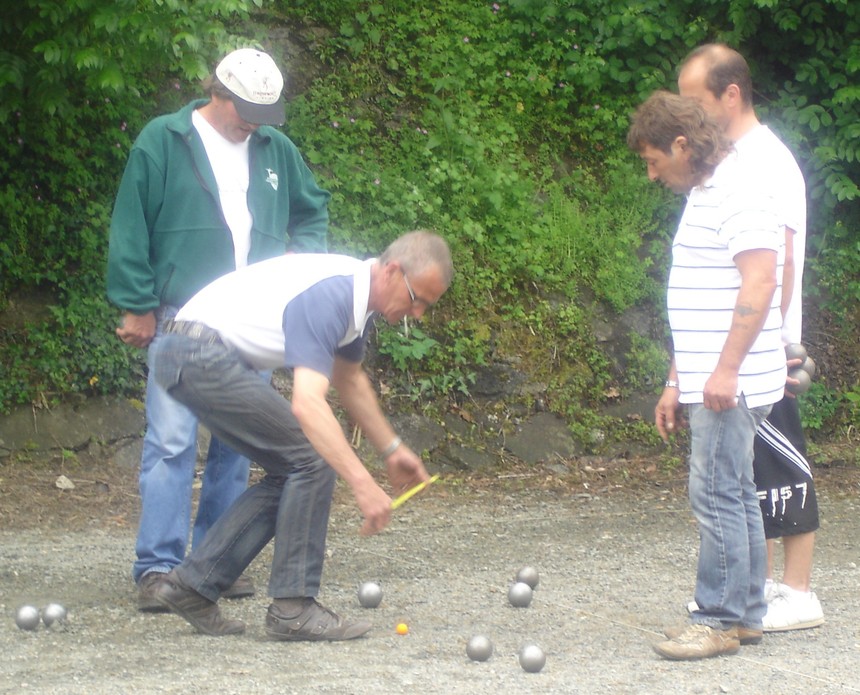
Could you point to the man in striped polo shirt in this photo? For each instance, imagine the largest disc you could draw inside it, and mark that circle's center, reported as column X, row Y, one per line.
column 728, row 365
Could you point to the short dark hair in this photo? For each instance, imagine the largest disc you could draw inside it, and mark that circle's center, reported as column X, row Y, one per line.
column 664, row 116
column 724, row 66
column 214, row 87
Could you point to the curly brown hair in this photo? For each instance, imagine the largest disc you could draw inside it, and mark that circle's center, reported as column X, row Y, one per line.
column 664, row 116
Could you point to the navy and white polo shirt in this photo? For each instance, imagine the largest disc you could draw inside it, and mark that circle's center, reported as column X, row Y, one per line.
column 296, row 310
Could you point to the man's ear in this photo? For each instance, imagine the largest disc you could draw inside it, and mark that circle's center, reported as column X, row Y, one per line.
column 390, row 268
column 681, row 143
column 732, row 94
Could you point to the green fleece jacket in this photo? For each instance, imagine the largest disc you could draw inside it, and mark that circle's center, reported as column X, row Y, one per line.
column 168, row 235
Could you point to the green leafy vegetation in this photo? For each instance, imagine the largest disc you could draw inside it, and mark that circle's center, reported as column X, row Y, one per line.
column 499, row 124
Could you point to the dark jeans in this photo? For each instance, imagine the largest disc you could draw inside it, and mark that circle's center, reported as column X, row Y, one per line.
column 167, row 474
column 290, row 504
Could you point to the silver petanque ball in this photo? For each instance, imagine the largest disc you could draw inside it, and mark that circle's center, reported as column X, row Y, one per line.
column 479, row 648
column 528, row 575
column 27, row 617
column 803, row 377
column 808, row 366
column 532, row 658
column 369, row 595
column 795, row 351
column 520, row 595
column 53, row 614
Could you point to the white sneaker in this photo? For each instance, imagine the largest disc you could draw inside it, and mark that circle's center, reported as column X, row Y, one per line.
column 771, row 591
column 792, row 610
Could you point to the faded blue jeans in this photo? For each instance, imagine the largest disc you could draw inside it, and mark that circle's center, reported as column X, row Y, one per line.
column 732, row 549
column 290, row 504
column 167, row 469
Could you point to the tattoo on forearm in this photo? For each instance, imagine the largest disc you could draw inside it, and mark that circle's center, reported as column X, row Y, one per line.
column 745, row 310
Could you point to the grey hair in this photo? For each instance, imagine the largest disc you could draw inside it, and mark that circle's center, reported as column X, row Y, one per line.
column 418, row 251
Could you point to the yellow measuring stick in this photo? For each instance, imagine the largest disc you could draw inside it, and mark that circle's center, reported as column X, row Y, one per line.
column 414, row 491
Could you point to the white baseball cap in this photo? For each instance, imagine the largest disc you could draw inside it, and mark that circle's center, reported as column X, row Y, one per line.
column 256, row 84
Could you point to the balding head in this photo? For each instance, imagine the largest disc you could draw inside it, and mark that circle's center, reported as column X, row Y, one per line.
column 718, row 67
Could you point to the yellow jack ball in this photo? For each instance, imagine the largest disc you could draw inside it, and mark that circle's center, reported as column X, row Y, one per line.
column 402, row 628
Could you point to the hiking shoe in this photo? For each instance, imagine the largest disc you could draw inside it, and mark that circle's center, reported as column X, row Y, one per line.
column 146, row 587
column 793, row 610
column 699, row 642
column 198, row 610
column 311, row 621
column 746, row 635
column 241, row 588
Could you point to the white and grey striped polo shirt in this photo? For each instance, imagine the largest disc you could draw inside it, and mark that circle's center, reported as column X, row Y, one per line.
column 727, row 215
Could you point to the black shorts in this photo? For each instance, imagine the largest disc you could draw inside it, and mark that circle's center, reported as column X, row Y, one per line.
column 783, row 477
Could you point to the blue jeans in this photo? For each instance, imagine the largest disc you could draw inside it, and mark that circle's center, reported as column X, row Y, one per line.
column 167, row 474
column 290, row 504
column 732, row 550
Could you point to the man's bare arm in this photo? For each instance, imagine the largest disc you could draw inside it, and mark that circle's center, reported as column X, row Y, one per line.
column 758, row 283
column 322, row 428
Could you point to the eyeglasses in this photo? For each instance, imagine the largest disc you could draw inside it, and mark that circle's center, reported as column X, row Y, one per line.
column 415, row 298
column 409, row 288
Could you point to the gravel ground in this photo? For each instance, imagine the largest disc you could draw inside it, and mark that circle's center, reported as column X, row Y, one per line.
column 614, row 568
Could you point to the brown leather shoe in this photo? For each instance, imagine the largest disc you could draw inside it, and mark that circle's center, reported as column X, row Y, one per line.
column 699, row 642
column 241, row 588
column 746, row 635
column 308, row 620
column 198, row 610
column 146, row 587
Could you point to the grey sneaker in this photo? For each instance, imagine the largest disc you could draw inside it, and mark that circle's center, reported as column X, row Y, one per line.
column 241, row 588
column 146, row 587
column 198, row 610
column 311, row 621
column 699, row 642
column 746, row 635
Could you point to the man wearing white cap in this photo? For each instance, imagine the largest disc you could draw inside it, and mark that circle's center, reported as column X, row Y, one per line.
column 206, row 190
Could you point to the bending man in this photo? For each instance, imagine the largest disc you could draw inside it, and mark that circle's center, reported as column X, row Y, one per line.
column 308, row 313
